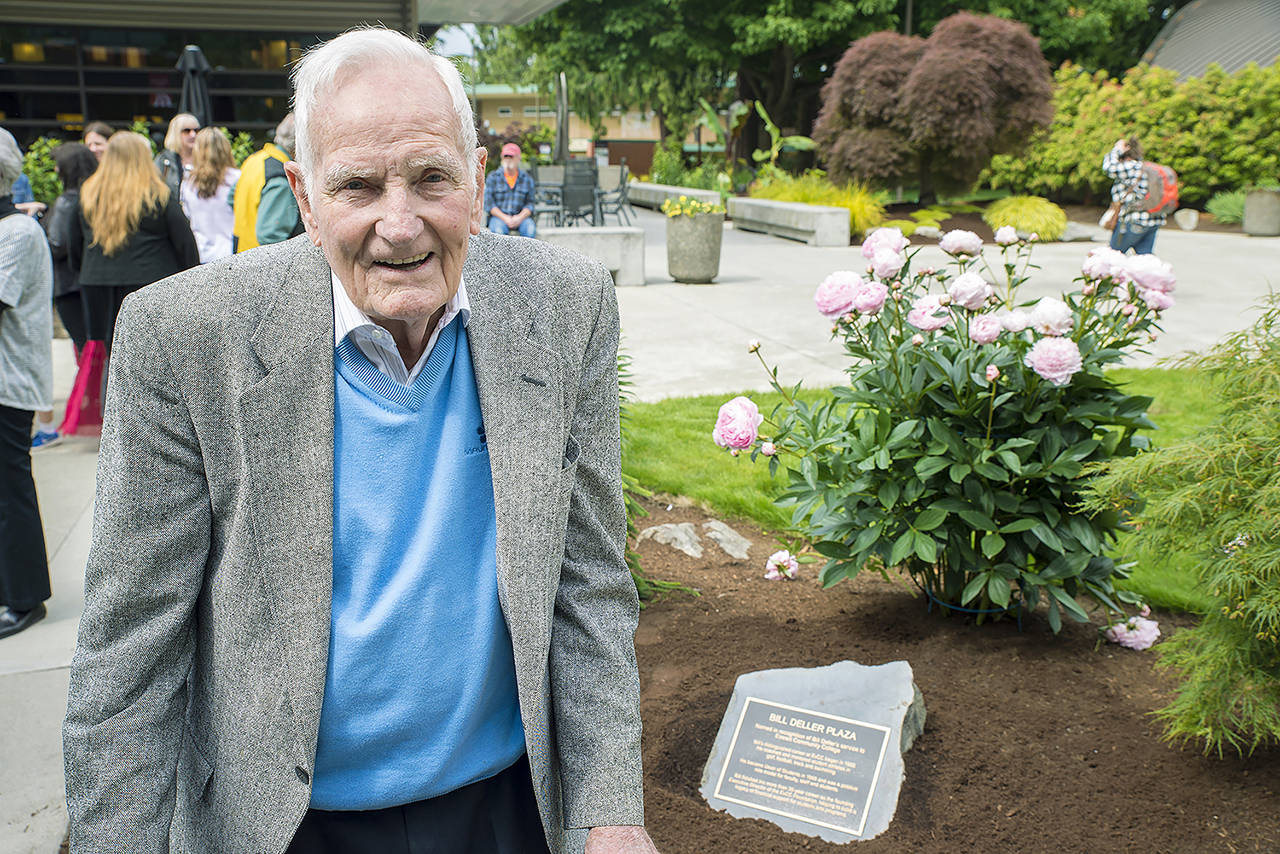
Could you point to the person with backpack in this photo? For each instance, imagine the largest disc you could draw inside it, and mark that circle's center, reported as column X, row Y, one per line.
column 1138, row 206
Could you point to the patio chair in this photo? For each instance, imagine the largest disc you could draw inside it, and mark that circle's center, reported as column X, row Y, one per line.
column 613, row 194
column 578, row 194
column 547, row 182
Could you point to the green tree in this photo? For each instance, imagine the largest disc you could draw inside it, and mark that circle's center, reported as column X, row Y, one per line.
column 1098, row 34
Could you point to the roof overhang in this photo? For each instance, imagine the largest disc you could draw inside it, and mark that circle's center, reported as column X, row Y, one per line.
column 318, row 16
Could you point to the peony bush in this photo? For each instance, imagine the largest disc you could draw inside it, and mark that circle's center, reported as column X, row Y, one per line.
column 958, row 449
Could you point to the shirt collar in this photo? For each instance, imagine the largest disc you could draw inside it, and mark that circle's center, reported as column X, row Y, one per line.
column 347, row 317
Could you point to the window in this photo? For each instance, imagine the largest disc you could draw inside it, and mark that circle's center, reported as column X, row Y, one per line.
column 505, row 112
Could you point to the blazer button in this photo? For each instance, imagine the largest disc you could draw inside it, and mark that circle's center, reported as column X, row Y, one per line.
column 303, row 777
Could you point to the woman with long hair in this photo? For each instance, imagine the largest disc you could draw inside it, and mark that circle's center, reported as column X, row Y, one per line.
column 206, row 194
column 130, row 232
column 174, row 160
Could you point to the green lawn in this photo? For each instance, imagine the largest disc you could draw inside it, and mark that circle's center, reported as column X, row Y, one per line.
column 670, row 451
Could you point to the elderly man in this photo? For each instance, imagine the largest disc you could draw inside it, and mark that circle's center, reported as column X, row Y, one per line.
column 508, row 196
column 26, row 387
column 357, row 581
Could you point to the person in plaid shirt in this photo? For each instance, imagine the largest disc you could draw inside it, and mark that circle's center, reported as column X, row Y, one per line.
column 1135, row 228
column 508, row 196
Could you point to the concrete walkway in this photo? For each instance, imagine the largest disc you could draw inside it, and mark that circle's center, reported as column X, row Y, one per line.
column 683, row 339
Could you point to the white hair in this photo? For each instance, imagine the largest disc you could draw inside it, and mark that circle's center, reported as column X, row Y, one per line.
column 323, row 66
column 10, row 162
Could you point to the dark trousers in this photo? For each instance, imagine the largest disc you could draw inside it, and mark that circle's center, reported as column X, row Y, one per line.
column 494, row 816
column 71, row 312
column 1140, row 238
column 24, row 567
column 101, row 305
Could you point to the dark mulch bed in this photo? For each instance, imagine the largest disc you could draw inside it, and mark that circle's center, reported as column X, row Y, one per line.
column 1034, row 743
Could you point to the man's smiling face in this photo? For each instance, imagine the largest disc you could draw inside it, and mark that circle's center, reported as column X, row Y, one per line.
column 392, row 199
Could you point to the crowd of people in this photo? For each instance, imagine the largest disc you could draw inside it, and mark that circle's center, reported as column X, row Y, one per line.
column 123, row 220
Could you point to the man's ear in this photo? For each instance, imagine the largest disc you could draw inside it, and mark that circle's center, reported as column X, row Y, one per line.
column 298, row 183
column 477, row 206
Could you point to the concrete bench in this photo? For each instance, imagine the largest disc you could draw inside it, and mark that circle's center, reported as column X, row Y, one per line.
column 648, row 195
column 816, row 225
column 619, row 247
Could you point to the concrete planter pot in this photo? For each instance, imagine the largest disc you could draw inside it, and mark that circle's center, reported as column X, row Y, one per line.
column 693, row 247
column 1262, row 213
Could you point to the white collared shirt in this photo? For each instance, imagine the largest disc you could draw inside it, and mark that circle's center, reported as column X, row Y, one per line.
column 377, row 344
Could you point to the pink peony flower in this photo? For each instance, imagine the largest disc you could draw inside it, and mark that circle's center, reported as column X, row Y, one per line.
column 884, row 238
column 1051, row 316
column 1055, row 359
column 927, row 314
column 835, row 295
column 970, row 291
column 768, row 449
column 737, row 424
column 1006, row 235
column 869, row 297
column 984, row 328
column 781, row 564
column 1014, row 320
column 993, row 373
column 1148, row 271
column 1135, row 633
column 1105, row 263
column 1157, row 300
column 961, row 242
column 886, row 263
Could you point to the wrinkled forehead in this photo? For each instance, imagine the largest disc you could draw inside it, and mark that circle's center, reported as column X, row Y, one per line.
column 383, row 102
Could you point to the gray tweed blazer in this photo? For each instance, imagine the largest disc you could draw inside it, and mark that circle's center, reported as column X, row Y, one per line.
column 197, row 682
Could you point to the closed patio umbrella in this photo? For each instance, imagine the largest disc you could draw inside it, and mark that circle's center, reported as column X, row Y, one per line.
column 195, row 85
column 561, row 152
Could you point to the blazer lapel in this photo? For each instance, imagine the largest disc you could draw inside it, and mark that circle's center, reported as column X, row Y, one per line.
column 519, row 378
column 288, row 435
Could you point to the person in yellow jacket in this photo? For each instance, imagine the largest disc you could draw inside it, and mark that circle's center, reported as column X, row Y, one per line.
column 265, row 209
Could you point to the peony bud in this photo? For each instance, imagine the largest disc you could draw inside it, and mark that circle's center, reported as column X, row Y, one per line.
column 753, row 345
column 733, row 452
column 768, row 449
column 1090, row 289
column 993, row 373
column 917, row 340
column 1128, row 308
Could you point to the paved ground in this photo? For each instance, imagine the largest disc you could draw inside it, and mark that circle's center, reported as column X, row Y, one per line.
column 684, row 339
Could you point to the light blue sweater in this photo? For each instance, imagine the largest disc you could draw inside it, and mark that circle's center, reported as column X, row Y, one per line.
column 420, row 693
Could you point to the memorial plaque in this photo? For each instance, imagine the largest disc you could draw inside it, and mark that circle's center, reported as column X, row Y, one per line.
column 804, row 765
column 816, row 750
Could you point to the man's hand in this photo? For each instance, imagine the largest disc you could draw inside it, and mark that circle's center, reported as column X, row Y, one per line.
column 32, row 208
column 623, row 839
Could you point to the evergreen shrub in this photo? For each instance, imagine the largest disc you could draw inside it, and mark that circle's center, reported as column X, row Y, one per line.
column 1217, row 497
column 41, row 171
column 1027, row 215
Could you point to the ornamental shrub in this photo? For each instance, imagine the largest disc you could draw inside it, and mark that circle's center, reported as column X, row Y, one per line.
column 866, row 208
column 957, row 450
column 1218, row 131
column 904, row 109
column 1217, row 497
column 1028, row 215
column 1227, row 207
column 38, row 166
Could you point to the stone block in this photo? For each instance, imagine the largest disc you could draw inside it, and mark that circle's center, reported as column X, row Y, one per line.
column 619, row 248
column 1262, row 213
column 816, row 225
column 648, row 195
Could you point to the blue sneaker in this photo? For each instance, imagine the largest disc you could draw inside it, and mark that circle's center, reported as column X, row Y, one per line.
column 45, row 439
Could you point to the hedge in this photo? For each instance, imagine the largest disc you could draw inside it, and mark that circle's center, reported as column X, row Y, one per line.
column 1219, row 132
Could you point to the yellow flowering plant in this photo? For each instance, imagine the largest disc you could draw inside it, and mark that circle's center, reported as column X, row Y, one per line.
column 685, row 206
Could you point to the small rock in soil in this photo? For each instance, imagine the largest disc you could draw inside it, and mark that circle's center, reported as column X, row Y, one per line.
column 734, row 544
column 679, row 535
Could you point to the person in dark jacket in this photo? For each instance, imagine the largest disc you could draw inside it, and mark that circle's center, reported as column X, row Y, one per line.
column 130, row 232
column 75, row 163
